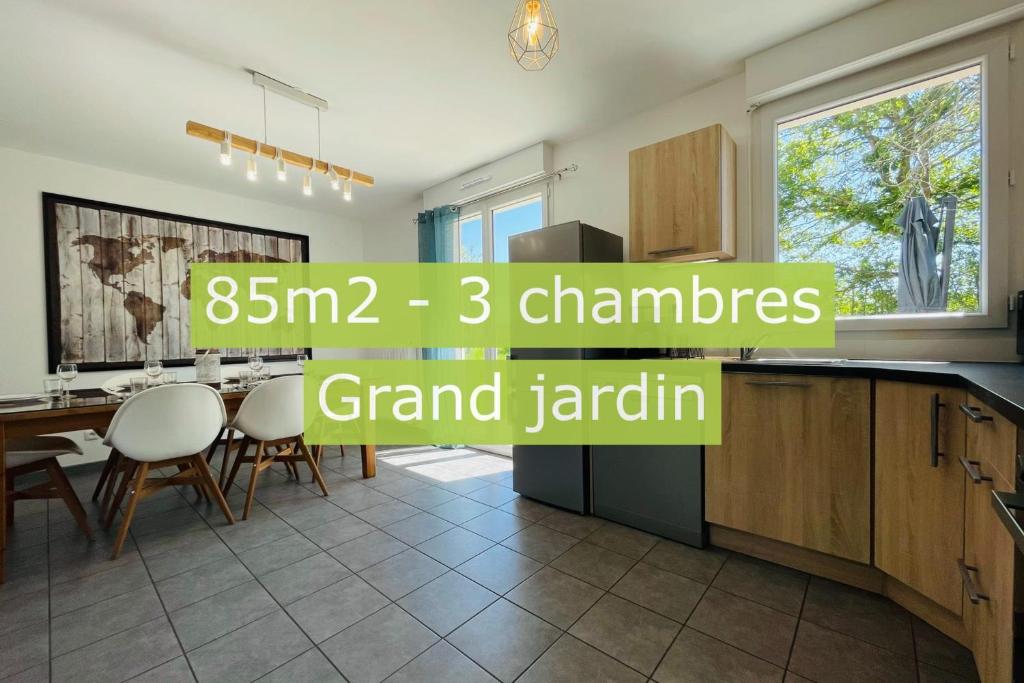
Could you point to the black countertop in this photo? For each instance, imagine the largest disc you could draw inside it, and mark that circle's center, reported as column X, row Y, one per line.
column 998, row 385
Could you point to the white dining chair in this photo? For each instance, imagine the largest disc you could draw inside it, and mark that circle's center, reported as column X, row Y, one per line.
column 270, row 416
column 115, row 386
column 39, row 454
column 165, row 426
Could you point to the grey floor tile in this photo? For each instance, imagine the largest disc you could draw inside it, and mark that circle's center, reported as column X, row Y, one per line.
column 401, row 487
column 209, row 619
column 441, row 662
column 454, row 546
column 540, row 542
column 823, row 655
column 493, row 495
column 942, row 652
column 368, row 550
column 403, row 573
column 460, row 510
column 37, row 674
column 177, row 539
column 859, row 614
column 306, row 513
column 770, row 584
column 418, row 528
column 338, row 531
column 750, row 626
column 180, row 519
column 95, row 622
column 499, row 569
column 594, row 564
column 277, row 554
column 528, row 509
column 310, row 666
column 25, row 610
column 641, row 645
column 358, row 497
column 201, row 582
column 699, row 564
column 24, row 648
column 379, row 645
column 668, row 594
column 251, row 651
column 95, row 588
column 697, row 658
column 303, row 578
column 428, row 496
column 926, row 673
column 555, row 597
column 464, row 485
column 387, row 513
column 504, row 639
column 447, row 602
column 496, row 525
column 623, row 540
column 173, row 562
column 572, row 523
column 336, row 607
column 120, row 656
column 260, row 529
column 175, row 671
column 68, row 563
column 572, row 661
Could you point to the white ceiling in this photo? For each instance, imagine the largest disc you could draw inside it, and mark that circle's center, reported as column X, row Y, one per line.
column 419, row 90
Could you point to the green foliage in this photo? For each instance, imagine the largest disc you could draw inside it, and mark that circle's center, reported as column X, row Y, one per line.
column 844, row 177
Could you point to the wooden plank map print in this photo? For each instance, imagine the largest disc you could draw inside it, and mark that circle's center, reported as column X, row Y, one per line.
column 118, row 281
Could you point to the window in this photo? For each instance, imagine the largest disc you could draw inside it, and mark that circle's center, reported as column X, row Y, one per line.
column 850, row 160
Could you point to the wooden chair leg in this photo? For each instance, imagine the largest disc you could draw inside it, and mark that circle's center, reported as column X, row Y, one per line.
column 115, row 469
column 140, row 482
column 252, row 480
column 213, row 446
column 108, row 468
column 213, row 489
column 224, row 461
column 128, row 471
column 200, row 490
column 234, row 468
column 317, row 477
column 60, row 483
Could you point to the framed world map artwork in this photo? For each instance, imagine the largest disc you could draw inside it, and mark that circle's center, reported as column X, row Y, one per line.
column 118, row 285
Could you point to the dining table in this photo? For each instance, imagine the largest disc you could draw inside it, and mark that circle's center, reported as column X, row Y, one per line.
column 92, row 409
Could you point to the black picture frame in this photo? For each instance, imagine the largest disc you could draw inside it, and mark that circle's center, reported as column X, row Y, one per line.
column 51, row 260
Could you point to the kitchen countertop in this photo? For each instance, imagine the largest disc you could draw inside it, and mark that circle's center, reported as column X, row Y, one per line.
column 998, row 385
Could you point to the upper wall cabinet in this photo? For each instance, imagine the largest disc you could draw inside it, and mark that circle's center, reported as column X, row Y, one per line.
column 682, row 198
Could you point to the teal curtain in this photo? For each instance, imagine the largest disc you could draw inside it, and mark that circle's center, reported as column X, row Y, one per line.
column 437, row 245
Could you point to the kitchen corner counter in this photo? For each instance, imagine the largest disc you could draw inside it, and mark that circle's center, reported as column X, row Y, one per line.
column 999, row 385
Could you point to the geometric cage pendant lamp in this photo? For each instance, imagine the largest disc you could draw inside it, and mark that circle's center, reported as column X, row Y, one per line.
column 533, row 34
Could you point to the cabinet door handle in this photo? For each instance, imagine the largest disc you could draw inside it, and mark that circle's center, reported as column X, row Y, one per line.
column 673, row 250
column 965, row 574
column 974, row 414
column 973, row 471
column 780, row 383
column 935, row 430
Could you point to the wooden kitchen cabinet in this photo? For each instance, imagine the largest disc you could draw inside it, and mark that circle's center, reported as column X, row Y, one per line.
column 682, row 198
column 795, row 461
column 919, row 487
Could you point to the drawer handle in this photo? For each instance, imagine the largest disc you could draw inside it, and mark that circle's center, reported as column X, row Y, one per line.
column 973, row 471
column 1005, row 504
column 935, row 430
column 673, row 250
column 974, row 414
column 766, row 383
column 965, row 574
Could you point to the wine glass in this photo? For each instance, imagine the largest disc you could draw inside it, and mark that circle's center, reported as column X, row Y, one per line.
column 154, row 369
column 67, row 372
column 301, row 359
column 256, row 365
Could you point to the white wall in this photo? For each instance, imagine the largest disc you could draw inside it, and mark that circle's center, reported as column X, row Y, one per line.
column 392, row 235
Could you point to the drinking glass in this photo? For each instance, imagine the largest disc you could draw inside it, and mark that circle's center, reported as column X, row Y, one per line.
column 245, row 378
column 52, row 387
column 67, row 372
column 301, row 359
column 154, row 369
column 138, row 384
column 169, row 378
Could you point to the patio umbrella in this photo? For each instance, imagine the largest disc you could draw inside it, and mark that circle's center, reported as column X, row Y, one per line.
column 919, row 282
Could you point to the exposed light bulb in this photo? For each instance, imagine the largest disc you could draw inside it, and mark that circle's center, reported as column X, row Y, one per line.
column 333, row 175
column 252, row 171
column 225, row 149
column 533, row 25
column 346, row 192
column 282, row 173
column 307, row 185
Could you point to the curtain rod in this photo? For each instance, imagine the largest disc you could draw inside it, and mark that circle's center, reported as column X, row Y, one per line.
column 571, row 168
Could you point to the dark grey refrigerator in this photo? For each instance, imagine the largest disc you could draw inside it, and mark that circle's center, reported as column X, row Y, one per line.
column 560, row 475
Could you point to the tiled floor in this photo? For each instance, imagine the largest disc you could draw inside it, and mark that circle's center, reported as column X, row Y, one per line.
column 433, row 571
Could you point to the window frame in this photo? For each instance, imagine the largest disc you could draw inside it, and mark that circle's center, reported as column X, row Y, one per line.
column 991, row 52
column 486, row 208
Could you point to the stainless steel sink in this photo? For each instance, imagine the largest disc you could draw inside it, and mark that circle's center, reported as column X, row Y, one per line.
column 798, row 361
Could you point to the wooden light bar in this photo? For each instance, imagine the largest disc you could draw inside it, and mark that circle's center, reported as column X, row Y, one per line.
column 250, row 146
